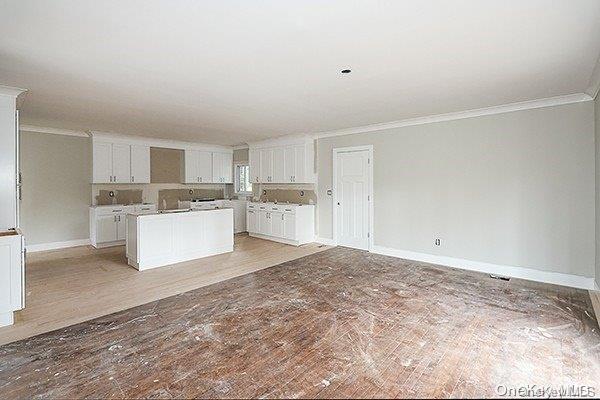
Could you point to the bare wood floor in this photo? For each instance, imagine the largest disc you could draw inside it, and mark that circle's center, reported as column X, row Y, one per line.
column 68, row 286
column 338, row 323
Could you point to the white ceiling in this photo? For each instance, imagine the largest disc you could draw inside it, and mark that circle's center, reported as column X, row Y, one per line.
column 228, row 72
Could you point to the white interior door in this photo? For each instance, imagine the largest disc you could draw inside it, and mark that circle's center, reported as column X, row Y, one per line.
column 351, row 198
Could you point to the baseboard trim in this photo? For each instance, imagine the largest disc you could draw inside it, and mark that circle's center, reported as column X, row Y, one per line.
column 527, row 273
column 56, row 245
column 325, row 241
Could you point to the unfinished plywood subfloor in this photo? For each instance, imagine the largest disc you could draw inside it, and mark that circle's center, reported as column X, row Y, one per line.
column 339, row 323
column 68, row 286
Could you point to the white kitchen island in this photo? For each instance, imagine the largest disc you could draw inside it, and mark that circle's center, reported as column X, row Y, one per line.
column 157, row 239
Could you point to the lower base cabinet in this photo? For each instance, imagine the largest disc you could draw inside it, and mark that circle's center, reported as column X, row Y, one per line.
column 108, row 223
column 286, row 223
column 12, row 275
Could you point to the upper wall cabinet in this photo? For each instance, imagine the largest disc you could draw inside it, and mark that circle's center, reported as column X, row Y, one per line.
column 276, row 162
column 208, row 167
column 198, row 166
column 120, row 163
column 222, row 165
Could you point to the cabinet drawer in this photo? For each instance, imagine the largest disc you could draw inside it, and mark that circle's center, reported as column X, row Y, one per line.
column 114, row 210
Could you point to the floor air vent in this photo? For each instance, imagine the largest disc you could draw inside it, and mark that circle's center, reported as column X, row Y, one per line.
column 502, row 278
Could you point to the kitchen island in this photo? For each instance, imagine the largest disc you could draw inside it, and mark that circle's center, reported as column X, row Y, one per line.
column 168, row 237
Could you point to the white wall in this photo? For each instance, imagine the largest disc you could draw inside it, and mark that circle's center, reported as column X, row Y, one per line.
column 512, row 189
column 56, row 172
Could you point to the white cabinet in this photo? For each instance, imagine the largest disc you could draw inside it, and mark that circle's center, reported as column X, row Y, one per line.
column 205, row 166
column 276, row 223
column 289, row 226
column 284, row 163
column 12, row 275
column 140, row 164
column 278, row 173
column 121, row 157
column 222, row 167
column 264, row 223
column 208, row 167
column 102, row 160
column 254, row 163
column 198, row 166
column 266, row 165
column 120, row 163
column 287, row 223
column 107, row 223
column 106, row 228
column 252, row 220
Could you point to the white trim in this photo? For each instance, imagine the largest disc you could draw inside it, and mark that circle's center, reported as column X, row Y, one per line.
column 241, row 147
column 594, row 83
column 53, row 131
column 524, row 105
column 325, row 241
column 527, row 273
column 285, row 140
column 337, row 150
column 57, row 245
column 154, row 142
column 11, row 91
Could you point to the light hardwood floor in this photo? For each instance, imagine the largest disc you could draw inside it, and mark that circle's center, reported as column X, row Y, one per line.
column 68, row 286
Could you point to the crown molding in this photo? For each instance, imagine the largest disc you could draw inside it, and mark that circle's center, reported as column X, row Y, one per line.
column 52, row 131
column 11, row 91
column 155, row 142
column 241, row 147
column 594, row 84
column 505, row 108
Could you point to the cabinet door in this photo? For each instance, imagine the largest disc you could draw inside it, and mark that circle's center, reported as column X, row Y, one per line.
column 217, row 165
column 266, row 165
column 251, row 221
column 254, row 162
column 264, row 223
column 106, row 228
column 121, row 157
column 299, row 175
column 277, row 224
column 289, row 169
column 190, row 167
column 205, row 166
column 140, row 164
column 121, row 225
column 289, row 226
column 102, row 162
column 227, row 167
column 11, row 274
column 278, row 165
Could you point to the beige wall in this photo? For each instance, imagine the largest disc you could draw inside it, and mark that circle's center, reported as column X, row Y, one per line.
column 597, row 125
column 510, row 189
column 56, row 173
column 240, row 155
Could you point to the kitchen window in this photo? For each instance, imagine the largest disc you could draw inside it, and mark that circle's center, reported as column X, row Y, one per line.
column 242, row 179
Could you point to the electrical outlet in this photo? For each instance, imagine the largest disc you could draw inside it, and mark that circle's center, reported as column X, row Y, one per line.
column 438, row 242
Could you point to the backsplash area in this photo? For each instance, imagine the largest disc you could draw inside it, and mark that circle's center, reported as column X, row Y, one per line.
column 300, row 194
column 156, row 193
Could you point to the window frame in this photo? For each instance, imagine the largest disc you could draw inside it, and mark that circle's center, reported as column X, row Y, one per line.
column 236, row 181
